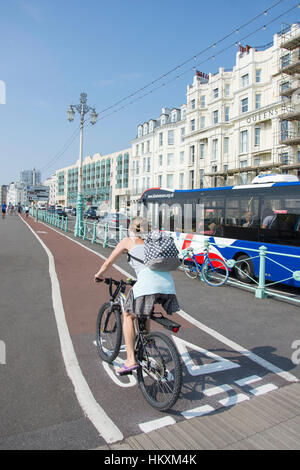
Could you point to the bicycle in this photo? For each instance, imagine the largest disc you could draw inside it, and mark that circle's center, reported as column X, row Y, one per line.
column 159, row 374
column 214, row 271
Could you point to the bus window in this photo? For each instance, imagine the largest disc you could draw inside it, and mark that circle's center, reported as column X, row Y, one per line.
column 241, row 218
column 213, row 216
column 280, row 220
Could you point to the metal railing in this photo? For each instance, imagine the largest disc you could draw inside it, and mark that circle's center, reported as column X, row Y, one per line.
column 260, row 286
column 109, row 236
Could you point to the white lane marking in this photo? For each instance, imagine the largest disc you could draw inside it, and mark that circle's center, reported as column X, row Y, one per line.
column 210, row 392
column 104, row 425
column 248, row 380
column 157, row 424
column 199, row 411
column 234, row 399
column 236, row 347
column 263, row 389
column 220, row 363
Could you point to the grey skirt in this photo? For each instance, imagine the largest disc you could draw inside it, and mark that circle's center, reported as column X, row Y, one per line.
column 144, row 305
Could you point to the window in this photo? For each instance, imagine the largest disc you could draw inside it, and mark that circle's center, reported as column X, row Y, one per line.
column 215, row 145
column 183, row 113
column 170, row 181
column 202, row 101
column 160, row 160
column 244, row 104
column 216, row 93
column 181, row 157
column 243, row 163
column 258, row 75
column 193, row 104
column 226, row 145
column 257, row 100
column 227, row 89
column 284, row 130
column 244, row 142
column 201, row 175
column 192, row 125
column 148, row 164
column 174, row 117
column 226, row 113
column 202, row 150
column 192, row 154
column 137, row 168
column 170, row 137
column 182, row 133
column 256, row 161
column 245, row 80
column 159, row 181
column 202, row 122
column 143, row 148
column 170, row 159
column 136, row 150
column 285, row 60
column 285, row 158
column 216, row 117
column 148, row 146
column 181, row 180
column 191, row 179
column 144, row 164
column 160, row 137
column 257, row 136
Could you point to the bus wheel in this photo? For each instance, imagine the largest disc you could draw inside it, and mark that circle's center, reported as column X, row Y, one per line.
column 244, row 270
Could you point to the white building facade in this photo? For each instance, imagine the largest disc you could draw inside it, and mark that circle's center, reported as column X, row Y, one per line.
column 236, row 124
column 51, row 183
column 16, row 192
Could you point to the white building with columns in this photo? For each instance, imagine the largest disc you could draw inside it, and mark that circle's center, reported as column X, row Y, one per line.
column 235, row 124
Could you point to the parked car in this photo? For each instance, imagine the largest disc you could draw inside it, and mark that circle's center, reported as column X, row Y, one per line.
column 114, row 221
column 68, row 209
column 61, row 213
column 90, row 214
column 51, row 210
column 73, row 211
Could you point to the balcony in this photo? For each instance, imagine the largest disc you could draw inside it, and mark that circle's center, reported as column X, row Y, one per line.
column 291, row 67
column 290, row 40
column 289, row 138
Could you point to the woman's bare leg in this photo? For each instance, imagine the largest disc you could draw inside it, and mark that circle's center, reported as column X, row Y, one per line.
column 129, row 336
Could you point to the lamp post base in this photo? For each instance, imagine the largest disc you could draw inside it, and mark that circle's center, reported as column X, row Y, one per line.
column 78, row 232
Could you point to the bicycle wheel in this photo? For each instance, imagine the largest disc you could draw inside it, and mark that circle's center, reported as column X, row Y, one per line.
column 190, row 267
column 109, row 332
column 215, row 272
column 160, row 374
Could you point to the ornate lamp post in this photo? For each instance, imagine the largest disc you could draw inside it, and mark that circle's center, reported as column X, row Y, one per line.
column 82, row 109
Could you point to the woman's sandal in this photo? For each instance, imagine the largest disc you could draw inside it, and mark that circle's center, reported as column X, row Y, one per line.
column 124, row 370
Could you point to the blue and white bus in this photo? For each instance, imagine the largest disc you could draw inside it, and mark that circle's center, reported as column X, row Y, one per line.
column 236, row 219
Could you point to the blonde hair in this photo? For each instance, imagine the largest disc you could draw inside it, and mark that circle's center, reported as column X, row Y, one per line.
column 139, row 226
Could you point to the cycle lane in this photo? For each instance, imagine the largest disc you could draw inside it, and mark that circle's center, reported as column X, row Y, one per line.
column 216, row 374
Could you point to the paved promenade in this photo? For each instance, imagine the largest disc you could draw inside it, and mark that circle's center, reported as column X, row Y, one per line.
column 271, row 422
column 42, row 406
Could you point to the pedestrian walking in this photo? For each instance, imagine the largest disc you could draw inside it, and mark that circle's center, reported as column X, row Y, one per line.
column 3, row 209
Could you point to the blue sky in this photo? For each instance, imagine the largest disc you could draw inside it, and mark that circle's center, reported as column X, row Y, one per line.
column 52, row 50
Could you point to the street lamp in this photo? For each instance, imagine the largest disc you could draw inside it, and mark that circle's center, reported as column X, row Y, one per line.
column 82, row 109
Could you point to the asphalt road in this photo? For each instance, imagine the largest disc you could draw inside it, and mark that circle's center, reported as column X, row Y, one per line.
column 230, row 342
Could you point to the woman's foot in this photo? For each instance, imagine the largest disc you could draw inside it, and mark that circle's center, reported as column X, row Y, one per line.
column 127, row 369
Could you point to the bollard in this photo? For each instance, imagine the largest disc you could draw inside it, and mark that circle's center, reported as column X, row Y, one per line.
column 84, row 229
column 105, row 235
column 66, row 224
column 94, row 232
column 260, row 291
column 120, row 233
column 206, row 250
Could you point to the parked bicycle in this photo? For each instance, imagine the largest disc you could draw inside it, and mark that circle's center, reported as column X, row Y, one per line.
column 214, row 271
column 159, row 373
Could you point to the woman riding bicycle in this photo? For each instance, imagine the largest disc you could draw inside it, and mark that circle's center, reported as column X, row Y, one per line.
column 152, row 287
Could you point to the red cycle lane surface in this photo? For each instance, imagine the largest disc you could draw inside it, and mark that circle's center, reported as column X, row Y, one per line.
column 214, row 376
